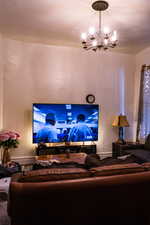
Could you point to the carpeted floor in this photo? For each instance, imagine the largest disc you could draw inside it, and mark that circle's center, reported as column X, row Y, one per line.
column 4, row 219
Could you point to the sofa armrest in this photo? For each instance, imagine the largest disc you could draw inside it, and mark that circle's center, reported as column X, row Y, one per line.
column 131, row 146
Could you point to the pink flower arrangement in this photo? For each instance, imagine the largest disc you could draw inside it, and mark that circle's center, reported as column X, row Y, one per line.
column 9, row 139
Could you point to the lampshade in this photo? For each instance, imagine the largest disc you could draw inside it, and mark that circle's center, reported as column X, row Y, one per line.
column 120, row 121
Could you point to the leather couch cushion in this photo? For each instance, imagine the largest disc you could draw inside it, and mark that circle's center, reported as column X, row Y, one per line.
column 54, row 174
column 116, row 169
column 147, row 143
column 146, row 165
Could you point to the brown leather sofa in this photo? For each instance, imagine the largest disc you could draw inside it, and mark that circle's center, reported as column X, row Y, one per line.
column 116, row 194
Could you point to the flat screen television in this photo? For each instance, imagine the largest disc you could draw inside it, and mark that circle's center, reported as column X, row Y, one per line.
column 54, row 123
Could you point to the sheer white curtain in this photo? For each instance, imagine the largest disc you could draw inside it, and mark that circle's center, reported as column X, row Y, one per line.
column 145, row 123
column 144, row 104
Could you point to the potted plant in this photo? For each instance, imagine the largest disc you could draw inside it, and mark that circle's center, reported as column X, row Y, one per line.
column 8, row 140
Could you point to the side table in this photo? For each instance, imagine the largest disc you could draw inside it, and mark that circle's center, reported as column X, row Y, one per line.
column 119, row 149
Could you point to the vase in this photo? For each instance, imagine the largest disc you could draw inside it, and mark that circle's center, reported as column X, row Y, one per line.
column 5, row 156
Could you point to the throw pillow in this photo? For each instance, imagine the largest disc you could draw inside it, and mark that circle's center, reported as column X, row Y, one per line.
column 92, row 160
column 4, row 172
column 11, row 168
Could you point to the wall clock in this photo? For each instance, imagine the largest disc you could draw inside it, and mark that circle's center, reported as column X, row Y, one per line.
column 90, row 98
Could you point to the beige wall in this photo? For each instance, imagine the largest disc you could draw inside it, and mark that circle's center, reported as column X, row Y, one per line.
column 1, row 84
column 49, row 74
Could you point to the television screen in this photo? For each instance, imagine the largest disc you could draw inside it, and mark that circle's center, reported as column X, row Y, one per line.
column 65, row 123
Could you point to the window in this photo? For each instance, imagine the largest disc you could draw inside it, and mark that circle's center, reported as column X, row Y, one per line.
column 144, row 104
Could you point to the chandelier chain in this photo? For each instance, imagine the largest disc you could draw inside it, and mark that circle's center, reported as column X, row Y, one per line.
column 100, row 22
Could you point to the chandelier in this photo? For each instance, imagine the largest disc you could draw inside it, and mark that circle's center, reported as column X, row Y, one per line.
column 102, row 39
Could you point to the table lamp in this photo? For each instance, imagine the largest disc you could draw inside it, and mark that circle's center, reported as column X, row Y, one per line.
column 120, row 121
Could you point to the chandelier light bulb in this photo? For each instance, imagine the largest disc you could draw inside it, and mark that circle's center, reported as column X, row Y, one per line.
column 115, row 34
column 92, row 31
column 114, row 37
column 105, row 41
column 94, row 43
column 84, row 36
column 106, row 30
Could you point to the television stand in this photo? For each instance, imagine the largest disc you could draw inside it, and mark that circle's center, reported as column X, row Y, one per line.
column 50, row 150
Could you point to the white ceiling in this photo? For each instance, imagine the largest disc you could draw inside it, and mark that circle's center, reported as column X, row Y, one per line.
column 60, row 22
